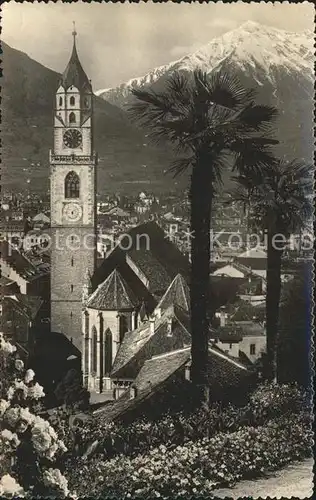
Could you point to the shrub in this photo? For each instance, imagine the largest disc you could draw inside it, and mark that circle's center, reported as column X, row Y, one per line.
column 196, row 468
column 29, row 445
column 268, row 401
column 272, row 400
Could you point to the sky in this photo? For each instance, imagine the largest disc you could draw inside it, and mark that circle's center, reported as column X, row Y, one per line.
column 117, row 42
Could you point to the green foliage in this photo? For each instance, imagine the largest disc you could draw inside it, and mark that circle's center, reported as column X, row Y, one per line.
column 277, row 196
column 71, row 392
column 295, row 330
column 197, row 467
column 267, row 402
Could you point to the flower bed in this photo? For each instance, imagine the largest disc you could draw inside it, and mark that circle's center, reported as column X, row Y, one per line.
column 268, row 401
column 196, row 468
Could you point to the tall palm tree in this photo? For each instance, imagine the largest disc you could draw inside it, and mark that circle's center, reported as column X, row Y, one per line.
column 279, row 205
column 213, row 123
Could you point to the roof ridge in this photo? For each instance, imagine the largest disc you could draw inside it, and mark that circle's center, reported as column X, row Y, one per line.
column 169, row 353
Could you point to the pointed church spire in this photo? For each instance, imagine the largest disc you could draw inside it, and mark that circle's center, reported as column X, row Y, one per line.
column 74, row 33
column 74, row 74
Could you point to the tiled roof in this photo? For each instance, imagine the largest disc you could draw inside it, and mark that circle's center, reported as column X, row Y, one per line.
column 141, row 344
column 162, row 250
column 18, row 261
column 252, row 263
column 74, row 73
column 229, row 333
column 159, row 368
column 222, row 371
column 7, row 225
column 113, row 295
column 254, row 253
column 250, row 328
column 244, row 311
column 29, row 305
column 156, row 274
column 234, row 331
column 177, row 294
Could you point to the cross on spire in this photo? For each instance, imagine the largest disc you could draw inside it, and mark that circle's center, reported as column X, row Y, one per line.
column 74, row 33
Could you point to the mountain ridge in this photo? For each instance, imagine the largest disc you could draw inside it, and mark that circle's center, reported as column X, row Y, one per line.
column 223, row 45
column 278, row 64
column 28, row 94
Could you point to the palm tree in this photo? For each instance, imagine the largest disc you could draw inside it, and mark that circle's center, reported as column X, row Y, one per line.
column 279, row 206
column 212, row 122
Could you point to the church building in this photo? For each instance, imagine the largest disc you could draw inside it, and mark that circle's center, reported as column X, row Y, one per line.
column 132, row 311
column 73, row 198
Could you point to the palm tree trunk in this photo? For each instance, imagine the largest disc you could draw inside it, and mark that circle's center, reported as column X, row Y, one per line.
column 272, row 304
column 201, row 204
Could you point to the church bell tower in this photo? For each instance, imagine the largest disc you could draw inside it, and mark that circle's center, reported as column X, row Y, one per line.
column 73, row 198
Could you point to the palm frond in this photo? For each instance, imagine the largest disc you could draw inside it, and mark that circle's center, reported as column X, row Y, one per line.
column 222, row 89
column 258, row 117
column 180, row 165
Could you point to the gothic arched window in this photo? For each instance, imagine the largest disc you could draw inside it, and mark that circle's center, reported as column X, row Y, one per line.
column 108, row 352
column 94, row 348
column 72, row 185
column 72, row 101
column 72, row 117
column 60, row 101
column 123, row 327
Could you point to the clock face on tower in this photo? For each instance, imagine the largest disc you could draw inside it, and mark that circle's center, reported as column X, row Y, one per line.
column 72, row 138
column 72, row 212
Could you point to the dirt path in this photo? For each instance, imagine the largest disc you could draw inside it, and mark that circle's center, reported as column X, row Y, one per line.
column 295, row 480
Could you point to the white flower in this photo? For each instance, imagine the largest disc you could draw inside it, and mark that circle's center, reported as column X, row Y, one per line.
column 62, row 446
column 19, row 365
column 9, row 487
column 4, row 405
column 53, row 478
column 5, row 346
column 27, row 416
column 20, row 385
column 12, row 416
column 41, row 438
column 11, row 437
column 10, row 392
column 29, row 375
column 36, row 391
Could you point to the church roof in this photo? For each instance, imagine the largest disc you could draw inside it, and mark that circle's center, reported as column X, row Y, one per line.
column 112, row 295
column 177, row 294
column 74, row 73
column 223, row 372
column 140, row 344
column 160, row 256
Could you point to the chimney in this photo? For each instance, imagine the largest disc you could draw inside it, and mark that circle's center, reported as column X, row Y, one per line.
column 152, row 324
column 132, row 392
column 187, row 372
column 134, row 320
column 222, row 320
column 169, row 327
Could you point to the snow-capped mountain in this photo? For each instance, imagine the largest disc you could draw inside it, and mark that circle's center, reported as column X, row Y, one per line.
column 277, row 63
column 251, row 47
